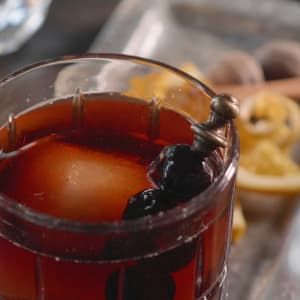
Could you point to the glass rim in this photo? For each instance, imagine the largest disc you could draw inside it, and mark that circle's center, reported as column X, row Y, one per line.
column 171, row 216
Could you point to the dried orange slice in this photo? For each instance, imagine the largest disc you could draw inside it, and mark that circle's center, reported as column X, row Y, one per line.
column 267, row 168
column 269, row 127
column 239, row 223
column 269, row 115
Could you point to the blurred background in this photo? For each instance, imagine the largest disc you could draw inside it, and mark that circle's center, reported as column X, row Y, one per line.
column 69, row 28
column 202, row 37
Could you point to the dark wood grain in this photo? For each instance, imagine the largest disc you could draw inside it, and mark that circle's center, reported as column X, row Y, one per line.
column 288, row 87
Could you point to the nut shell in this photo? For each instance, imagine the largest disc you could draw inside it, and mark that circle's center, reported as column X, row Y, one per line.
column 279, row 59
column 236, row 67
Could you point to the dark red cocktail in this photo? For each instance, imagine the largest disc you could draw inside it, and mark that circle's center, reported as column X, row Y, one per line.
column 70, row 166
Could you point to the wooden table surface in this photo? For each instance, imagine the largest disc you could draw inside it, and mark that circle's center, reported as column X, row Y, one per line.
column 70, row 28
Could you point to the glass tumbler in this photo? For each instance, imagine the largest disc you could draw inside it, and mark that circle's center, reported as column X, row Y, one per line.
column 178, row 254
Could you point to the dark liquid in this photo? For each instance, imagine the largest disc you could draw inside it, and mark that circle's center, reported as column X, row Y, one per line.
column 87, row 174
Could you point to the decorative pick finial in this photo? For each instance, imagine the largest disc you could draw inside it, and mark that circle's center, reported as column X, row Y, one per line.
column 224, row 108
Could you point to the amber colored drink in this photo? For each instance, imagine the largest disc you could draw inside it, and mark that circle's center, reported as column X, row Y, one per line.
column 77, row 136
column 87, row 174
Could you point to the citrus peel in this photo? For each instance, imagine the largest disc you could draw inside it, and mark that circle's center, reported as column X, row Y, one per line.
column 269, row 127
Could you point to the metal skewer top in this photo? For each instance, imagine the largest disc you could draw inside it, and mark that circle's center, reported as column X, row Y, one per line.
column 224, row 108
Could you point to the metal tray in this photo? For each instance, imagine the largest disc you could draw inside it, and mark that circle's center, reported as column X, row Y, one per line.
column 265, row 264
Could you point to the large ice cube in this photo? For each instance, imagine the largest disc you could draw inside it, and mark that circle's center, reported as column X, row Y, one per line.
column 73, row 181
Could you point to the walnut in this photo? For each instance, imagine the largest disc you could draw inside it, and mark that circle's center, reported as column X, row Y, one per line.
column 236, row 67
column 280, row 59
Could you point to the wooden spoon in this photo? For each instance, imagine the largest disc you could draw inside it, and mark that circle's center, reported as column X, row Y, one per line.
column 289, row 87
